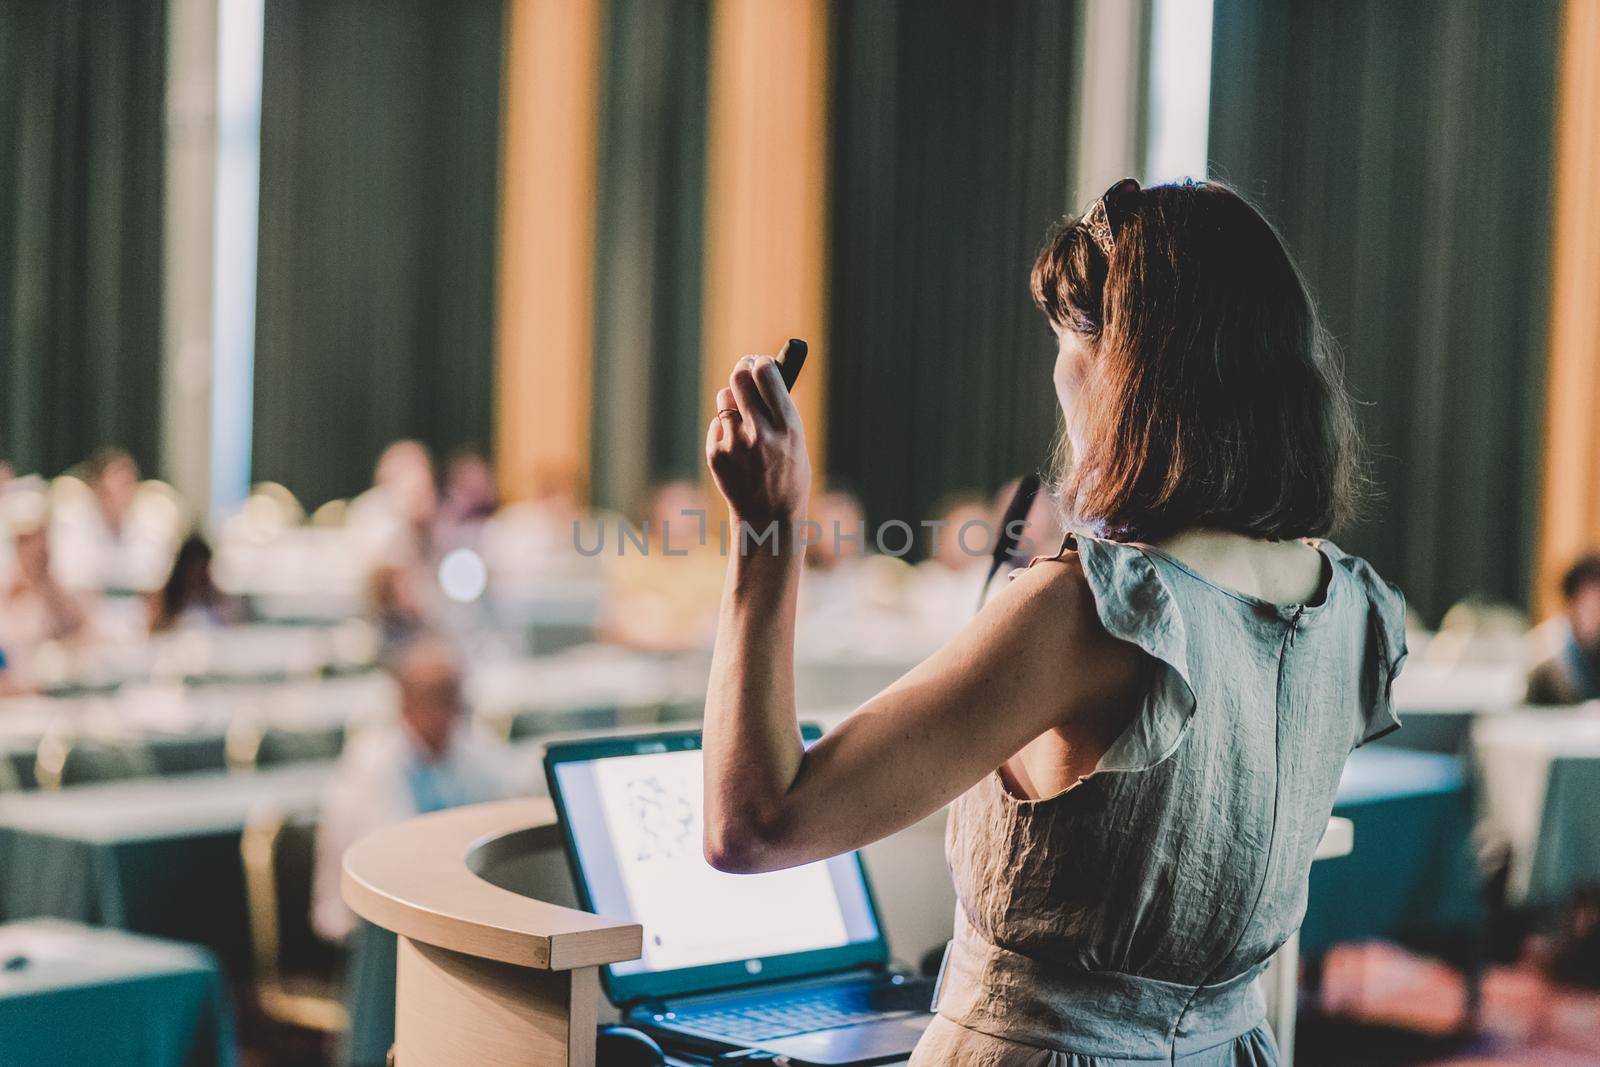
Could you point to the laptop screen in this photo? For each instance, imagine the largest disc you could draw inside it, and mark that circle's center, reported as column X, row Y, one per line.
column 632, row 813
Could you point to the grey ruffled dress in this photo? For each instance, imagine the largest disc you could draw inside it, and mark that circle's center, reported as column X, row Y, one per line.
column 1125, row 921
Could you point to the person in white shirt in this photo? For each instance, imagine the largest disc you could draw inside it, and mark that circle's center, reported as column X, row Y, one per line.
column 114, row 537
column 431, row 758
column 393, row 521
column 35, row 609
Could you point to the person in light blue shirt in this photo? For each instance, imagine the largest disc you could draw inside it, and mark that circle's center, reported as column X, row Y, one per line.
column 1570, row 674
column 430, row 758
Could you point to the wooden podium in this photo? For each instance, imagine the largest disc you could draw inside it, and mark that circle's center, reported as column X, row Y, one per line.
column 486, row 977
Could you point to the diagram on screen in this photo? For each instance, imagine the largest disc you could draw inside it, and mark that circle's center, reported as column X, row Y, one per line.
column 666, row 819
column 692, row 913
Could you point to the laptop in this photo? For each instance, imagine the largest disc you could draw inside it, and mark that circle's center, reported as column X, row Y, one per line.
column 792, row 963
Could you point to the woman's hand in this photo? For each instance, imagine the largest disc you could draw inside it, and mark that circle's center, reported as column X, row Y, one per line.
column 756, row 446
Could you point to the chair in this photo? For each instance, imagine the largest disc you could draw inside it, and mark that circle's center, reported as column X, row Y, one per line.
column 63, row 762
column 295, row 971
column 252, row 747
column 332, row 515
column 10, row 782
column 290, row 511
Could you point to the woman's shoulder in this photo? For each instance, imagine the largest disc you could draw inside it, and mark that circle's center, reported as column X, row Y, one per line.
column 1049, row 617
column 1385, row 603
column 1053, row 582
column 1103, row 594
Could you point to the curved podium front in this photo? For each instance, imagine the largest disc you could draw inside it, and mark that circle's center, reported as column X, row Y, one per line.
column 486, row 977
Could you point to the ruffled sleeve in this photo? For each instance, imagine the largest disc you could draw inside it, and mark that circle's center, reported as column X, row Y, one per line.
column 1386, row 643
column 1135, row 605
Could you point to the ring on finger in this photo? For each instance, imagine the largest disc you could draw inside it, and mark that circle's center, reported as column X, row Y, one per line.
column 728, row 411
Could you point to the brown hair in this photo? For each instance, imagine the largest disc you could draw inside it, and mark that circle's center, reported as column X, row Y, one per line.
column 1211, row 396
column 1585, row 570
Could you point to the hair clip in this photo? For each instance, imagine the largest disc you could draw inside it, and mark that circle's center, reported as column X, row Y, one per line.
column 1100, row 228
column 1107, row 214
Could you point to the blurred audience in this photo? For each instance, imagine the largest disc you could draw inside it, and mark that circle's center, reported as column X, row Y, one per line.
column 1571, row 673
column 664, row 577
column 395, row 517
column 468, row 502
column 114, row 480
column 851, row 599
column 111, row 538
column 430, row 758
column 944, row 593
column 190, row 598
column 36, row 608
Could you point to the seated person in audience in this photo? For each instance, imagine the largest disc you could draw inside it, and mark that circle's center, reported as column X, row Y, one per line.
column 395, row 605
column 35, row 608
column 663, row 596
column 190, row 598
column 851, row 599
column 431, row 758
column 395, row 517
column 1571, row 674
column 468, row 502
column 945, row 591
column 100, row 544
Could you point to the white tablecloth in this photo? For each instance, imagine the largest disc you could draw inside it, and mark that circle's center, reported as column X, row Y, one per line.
column 1515, row 752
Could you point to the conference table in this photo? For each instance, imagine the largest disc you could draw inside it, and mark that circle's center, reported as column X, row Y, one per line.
column 1540, row 776
column 71, row 994
column 156, row 856
column 258, row 652
column 179, row 727
column 182, row 729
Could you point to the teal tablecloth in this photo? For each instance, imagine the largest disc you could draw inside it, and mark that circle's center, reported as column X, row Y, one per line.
column 103, row 997
column 1413, row 870
column 369, row 996
column 156, row 856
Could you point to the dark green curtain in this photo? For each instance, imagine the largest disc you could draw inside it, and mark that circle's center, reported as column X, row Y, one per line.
column 380, row 139
column 648, row 264
column 82, row 100
column 1405, row 151
column 952, row 156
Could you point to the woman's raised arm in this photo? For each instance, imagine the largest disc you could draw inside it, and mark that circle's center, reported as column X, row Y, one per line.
column 1035, row 657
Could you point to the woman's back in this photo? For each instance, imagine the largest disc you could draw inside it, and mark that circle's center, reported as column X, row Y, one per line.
column 1126, row 917
column 1123, row 918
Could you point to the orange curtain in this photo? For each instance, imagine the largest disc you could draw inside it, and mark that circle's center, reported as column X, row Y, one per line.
column 545, row 299
column 766, row 208
column 1570, row 523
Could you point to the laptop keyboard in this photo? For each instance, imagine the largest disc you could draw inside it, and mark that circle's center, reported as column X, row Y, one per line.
column 803, row 1012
